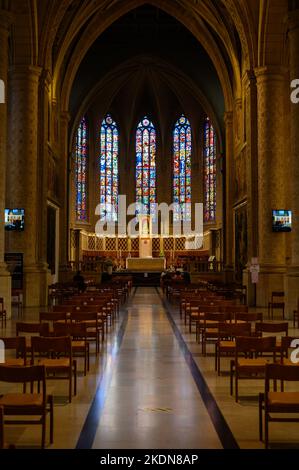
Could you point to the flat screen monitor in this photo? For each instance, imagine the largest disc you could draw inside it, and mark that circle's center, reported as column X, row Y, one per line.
column 14, row 219
column 281, row 220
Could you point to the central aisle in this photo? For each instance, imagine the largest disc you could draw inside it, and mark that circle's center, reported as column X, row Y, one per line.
column 152, row 400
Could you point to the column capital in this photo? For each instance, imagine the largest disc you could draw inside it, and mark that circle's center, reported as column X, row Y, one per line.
column 25, row 72
column 270, row 73
column 46, row 77
column 248, row 79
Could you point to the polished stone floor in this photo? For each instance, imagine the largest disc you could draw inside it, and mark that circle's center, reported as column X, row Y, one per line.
column 152, row 388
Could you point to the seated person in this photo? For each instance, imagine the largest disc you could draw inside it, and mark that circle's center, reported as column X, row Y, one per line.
column 177, row 276
column 78, row 280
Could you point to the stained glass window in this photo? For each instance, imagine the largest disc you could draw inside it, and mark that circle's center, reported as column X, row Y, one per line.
column 81, row 155
column 209, row 171
column 109, row 168
column 146, row 165
column 182, row 150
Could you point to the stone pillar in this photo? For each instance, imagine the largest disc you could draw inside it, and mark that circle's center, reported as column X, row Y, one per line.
column 250, row 137
column 24, row 179
column 271, row 89
column 228, row 234
column 5, row 279
column 63, row 189
column 293, row 269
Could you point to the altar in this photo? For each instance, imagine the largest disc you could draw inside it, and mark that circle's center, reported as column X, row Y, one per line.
column 146, row 264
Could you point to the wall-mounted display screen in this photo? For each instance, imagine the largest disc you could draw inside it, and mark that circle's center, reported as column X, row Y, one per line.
column 281, row 220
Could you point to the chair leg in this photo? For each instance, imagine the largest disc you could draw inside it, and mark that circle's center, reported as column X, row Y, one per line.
column 70, row 385
column 266, row 431
column 231, row 377
column 44, row 429
column 261, row 416
column 51, row 420
column 85, row 360
column 75, row 378
column 236, row 385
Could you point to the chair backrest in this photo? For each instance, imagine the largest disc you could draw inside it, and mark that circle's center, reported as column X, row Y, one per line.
column 265, row 327
column 21, row 375
column 249, row 317
column 51, row 346
column 63, row 308
column 88, row 308
column 77, row 330
column 84, row 316
column 52, row 316
column 1, row 305
column 282, row 372
column 17, row 343
column 235, row 309
column 37, row 328
column 217, row 317
column 277, row 294
column 233, row 330
column 252, row 344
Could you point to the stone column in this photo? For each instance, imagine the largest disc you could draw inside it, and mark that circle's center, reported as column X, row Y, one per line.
column 24, row 184
column 271, row 90
column 228, row 234
column 5, row 279
column 63, row 189
column 293, row 269
column 250, row 137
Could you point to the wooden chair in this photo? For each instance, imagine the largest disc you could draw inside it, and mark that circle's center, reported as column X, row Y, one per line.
column 226, row 343
column 78, row 333
column 277, row 302
column 17, row 344
column 278, row 402
column 248, row 362
column 48, row 352
column 210, row 328
column 52, row 317
column 17, row 300
column 2, row 312
column 94, row 326
column 26, row 328
column 64, row 308
column 264, row 327
column 27, row 404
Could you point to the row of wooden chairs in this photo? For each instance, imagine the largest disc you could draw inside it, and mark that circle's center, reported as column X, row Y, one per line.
column 228, row 332
column 47, row 350
column 55, row 353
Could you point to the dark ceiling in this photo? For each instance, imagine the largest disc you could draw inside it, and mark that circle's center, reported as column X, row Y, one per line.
column 148, row 31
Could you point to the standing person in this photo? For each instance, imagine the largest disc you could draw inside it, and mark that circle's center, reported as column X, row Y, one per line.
column 78, row 280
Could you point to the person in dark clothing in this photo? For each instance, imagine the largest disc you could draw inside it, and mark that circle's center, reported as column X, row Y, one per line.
column 186, row 277
column 79, row 282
